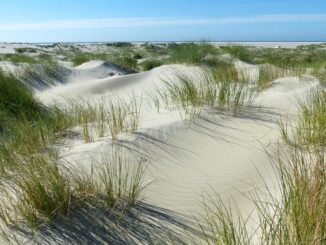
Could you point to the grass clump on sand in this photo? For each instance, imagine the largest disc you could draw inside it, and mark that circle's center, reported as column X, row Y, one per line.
column 121, row 180
column 267, row 74
column 43, row 75
column 311, row 128
column 20, row 58
column 320, row 73
column 114, row 116
column 34, row 191
column 218, row 89
column 36, row 185
column 296, row 215
column 303, row 205
column 151, row 64
column 16, row 101
column 312, row 121
column 80, row 57
column 226, row 71
column 238, row 51
column 25, row 50
column 123, row 117
column 39, row 188
column 193, row 53
column 219, row 224
column 124, row 59
column 32, row 186
column 290, row 61
column 116, row 180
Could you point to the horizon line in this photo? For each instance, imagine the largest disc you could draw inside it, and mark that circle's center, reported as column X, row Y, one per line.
column 171, row 41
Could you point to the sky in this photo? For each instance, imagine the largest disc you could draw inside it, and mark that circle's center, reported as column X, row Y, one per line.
column 165, row 20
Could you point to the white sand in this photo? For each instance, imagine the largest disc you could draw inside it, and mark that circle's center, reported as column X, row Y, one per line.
column 217, row 152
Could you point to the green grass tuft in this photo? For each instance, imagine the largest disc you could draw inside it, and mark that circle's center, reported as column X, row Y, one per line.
column 297, row 214
column 151, row 64
column 192, row 53
column 16, row 102
column 20, row 58
column 213, row 88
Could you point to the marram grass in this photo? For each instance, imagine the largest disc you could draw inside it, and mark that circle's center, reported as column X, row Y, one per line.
column 190, row 93
column 298, row 214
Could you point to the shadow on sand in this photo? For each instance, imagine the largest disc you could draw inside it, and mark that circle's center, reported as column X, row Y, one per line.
column 143, row 223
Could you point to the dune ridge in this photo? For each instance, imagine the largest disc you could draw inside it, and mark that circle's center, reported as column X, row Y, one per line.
column 197, row 142
column 217, row 152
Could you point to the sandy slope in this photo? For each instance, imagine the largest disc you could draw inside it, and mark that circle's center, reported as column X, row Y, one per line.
column 93, row 80
column 217, row 152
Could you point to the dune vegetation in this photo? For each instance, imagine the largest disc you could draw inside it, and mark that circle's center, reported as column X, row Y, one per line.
column 297, row 216
column 219, row 90
column 38, row 186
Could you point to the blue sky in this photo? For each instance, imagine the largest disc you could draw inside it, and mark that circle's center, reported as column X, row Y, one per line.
column 165, row 20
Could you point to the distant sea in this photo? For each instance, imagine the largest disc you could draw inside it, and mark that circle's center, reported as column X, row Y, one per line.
column 268, row 44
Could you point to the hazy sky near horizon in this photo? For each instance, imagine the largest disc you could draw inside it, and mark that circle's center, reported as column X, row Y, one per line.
column 166, row 20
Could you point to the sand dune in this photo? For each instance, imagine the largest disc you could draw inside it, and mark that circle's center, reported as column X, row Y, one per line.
column 217, row 152
column 111, row 79
column 97, row 69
